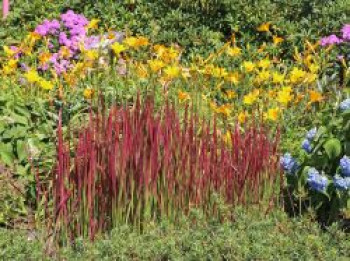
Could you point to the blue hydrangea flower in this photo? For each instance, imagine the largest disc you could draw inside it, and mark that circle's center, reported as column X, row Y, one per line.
column 306, row 145
column 345, row 105
column 341, row 183
column 289, row 164
column 316, row 181
column 345, row 166
column 310, row 135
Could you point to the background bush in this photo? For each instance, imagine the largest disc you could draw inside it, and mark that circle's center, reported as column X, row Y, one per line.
column 197, row 25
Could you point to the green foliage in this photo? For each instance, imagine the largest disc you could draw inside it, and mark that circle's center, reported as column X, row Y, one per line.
column 26, row 136
column 252, row 236
column 196, row 25
column 328, row 146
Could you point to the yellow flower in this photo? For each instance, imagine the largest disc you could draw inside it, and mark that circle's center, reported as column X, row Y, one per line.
column 159, row 49
column 44, row 57
column 263, row 76
column 186, row 73
column 169, row 55
column 250, row 98
column 65, row 52
column 7, row 70
column 230, row 94
column 233, row 78
column 271, row 93
column 172, row 71
column 141, row 71
column 70, row 78
column 46, row 85
column 156, row 65
column 242, row 116
column 284, row 96
column 224, row 109
column 27, row 50
column 299, row 98
column 248, row 66
column 142, row 41
column 88, row 93
column 91, row 55
column 308, row 60
column 272, row 114
column 234, row 51
column 118, row 48
column 130, row 41
column 297, row 75
column 262, row 48
column 219, row 72
column 136, row 42
column 183, row 96
column 93, row 24
column 227, row 138
column 12, row 63
column 32, row 76
column 314, row 68
column 8, row 51
column 311, row 77
column 315, row 96
column 32, row 37
column 277, row 78
column 277, row 40
column 265, row 27
column 265, row 63
column 208, row 69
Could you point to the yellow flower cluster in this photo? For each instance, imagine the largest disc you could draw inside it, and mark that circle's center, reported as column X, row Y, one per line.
column 236, row 79
column 32, row 77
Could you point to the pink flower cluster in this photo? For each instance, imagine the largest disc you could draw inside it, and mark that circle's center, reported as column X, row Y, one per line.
column 333, row 39
column 70, row 32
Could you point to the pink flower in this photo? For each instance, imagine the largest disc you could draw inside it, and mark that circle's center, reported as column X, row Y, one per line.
column 346, row 32
column 329, row 40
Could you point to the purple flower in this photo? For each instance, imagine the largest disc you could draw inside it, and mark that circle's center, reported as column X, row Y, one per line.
column 71, row 20
column 329, row 40
column 289, row 164
column 310, row 135
column 316, row 181
column 24, row 67
column 345, row 105
column 92, row 42
column 306, row 145
column 43, row 67
column 345, row 166
column 341, row 183
column 41, row 29
column 78, row 30
column 17, row 51
column 346, row 32
column 48, row 27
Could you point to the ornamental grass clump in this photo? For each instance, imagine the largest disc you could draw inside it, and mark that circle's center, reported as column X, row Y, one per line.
column 134, row 165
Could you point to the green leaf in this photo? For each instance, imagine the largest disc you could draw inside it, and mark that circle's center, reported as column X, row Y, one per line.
column 21, row 150
column 19, row 119
column 6, row 154
column 333, row 148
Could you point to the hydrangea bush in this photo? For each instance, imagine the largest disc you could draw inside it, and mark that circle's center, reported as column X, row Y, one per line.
column 320, row 177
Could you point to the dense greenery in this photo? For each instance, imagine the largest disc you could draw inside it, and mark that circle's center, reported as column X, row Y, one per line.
column 252, row 236
column 197, row 25
column 234, row 84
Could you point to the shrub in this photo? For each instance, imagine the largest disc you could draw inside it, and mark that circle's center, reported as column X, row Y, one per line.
column 135, row 166
column 321, row 178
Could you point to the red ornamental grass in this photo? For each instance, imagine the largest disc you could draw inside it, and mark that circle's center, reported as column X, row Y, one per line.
column 135, row 165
